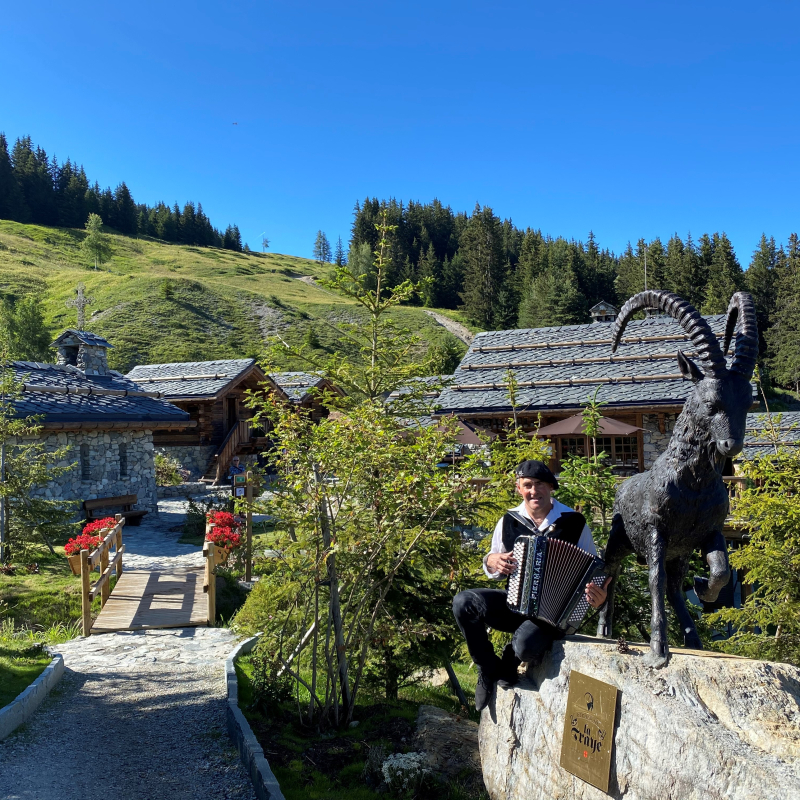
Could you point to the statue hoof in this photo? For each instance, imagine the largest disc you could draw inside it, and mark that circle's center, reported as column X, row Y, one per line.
column 704, row 594
column 656, row 660
column 692, row 640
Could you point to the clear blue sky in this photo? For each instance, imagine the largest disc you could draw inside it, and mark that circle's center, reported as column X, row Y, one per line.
column 630, row 119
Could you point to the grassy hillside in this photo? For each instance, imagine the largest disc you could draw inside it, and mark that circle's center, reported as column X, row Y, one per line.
column 159, row 302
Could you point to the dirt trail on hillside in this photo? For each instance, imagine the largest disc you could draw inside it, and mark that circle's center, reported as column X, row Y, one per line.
column 456, row 328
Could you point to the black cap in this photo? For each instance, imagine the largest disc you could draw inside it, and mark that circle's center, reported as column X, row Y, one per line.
column 537, row 470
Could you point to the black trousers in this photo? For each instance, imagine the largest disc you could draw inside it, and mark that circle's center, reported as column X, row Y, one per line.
column 477, row 609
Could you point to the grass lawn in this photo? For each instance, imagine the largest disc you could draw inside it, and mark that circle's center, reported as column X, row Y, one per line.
column 331, row 766
column 21, row 662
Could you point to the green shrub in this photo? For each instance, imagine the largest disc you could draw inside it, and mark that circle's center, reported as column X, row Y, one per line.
column 168, row 470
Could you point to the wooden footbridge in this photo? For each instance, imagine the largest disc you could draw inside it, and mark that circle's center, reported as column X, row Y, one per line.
column 178, row 598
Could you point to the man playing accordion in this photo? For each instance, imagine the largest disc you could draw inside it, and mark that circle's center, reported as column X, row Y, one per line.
column 477, row 609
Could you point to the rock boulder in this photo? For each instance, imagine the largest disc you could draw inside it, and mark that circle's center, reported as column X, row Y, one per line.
column 707, row 726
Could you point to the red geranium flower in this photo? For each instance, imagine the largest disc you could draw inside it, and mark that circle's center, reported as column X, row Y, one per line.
column 83, row 542
column 99, row 525
column 224, row 537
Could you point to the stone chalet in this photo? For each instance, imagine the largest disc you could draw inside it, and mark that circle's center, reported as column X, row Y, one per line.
column 560, row 368
column 212, row 394
column 107, row 420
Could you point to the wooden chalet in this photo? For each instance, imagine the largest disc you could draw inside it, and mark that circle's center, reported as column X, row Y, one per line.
column 212, row 393
column 558, row 369
column 306, row 390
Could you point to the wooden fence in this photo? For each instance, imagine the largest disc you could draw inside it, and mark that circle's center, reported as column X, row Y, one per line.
column 213, row 555
column 100, row 559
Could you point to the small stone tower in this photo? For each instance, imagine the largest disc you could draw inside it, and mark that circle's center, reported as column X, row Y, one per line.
column 84, row 350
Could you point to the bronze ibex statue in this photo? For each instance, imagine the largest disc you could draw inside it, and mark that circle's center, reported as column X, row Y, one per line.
column 681, row 503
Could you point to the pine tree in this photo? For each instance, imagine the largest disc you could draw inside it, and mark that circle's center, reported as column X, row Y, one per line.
column 783, row 337
column 96, row 244
column 630, row 273
column 124, row 211
column 322, row 248
column 430, row 273
column 761, row 279
column 481, row 246
column 339, row 256
column 725, row 276
column 12, row 203
column 32, row 173
column 23, row 329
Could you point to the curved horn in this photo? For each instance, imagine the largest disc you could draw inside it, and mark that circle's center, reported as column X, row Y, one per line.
column 742, row 310
column 712, row 362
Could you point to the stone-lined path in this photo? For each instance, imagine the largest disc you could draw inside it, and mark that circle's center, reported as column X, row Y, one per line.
column 137, row 715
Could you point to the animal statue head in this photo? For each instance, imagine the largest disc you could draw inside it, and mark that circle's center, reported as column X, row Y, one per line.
column 722, row 394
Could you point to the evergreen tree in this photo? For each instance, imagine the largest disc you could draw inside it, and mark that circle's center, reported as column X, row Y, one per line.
column 124, row 218
column 430, row 272
column 783, row 337
column 481, row 246
column 96, row 243
column 630, row 273
column 23, row 331
column 725, row 276
column 322, row 248
column 339, row 257
column 32, row 173
column 12, row 203
column 761, row 279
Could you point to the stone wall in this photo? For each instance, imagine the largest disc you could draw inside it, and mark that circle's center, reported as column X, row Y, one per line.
column 655, row 442
column 94, row 461
column 195, row 458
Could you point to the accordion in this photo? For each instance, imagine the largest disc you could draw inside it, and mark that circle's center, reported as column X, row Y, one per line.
column 550, row 579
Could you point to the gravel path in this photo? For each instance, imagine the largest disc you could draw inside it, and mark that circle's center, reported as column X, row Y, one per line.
column 138, row 715
column 456, row 328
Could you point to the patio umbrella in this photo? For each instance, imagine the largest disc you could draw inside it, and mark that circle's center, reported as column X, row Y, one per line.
column 573, row 426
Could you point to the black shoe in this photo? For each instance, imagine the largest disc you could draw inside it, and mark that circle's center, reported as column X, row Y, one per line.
column 508, row 675
column 483, row 691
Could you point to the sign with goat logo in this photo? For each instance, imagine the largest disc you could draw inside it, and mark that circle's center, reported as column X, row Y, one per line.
column 589, row 729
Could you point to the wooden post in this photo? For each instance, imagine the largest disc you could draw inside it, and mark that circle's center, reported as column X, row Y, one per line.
column 211, row 581
column 86, row 603
column 120, row 522
column 248, row 555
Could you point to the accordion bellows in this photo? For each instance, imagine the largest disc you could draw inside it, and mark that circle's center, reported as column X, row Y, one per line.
column 549, row 581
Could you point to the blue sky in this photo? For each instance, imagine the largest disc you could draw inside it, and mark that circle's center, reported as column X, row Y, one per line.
column 629, row 119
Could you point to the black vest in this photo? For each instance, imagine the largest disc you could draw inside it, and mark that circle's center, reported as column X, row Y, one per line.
column 569, row 527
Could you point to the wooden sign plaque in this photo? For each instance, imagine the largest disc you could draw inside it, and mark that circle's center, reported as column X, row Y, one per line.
column 589, row 729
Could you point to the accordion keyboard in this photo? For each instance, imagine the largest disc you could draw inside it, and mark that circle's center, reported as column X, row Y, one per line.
column 516, row 578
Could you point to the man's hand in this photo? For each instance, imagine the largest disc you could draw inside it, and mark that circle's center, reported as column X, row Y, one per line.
column 504, row 563
column 596, row 595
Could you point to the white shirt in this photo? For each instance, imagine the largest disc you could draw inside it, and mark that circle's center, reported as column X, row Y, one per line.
column 586, row 542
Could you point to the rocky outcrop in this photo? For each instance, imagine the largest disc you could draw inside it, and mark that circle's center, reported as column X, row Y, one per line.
column 450, row 743
column 707, row 726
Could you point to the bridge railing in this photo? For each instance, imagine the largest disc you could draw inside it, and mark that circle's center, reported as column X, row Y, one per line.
column 100, row 558
column 213, row 555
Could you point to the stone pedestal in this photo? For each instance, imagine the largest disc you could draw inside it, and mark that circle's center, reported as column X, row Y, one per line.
column 707, row 727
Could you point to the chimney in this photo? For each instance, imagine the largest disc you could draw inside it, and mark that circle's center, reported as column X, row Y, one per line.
column 84, row 350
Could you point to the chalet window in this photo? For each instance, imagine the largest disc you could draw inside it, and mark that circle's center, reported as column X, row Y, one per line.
column 626, row 451
column 86, row 467
column 572, row 446
column 123, row 460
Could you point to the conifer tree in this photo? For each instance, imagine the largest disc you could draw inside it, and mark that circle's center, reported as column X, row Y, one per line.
column 783, row 337
column 22, row 330
column 339, row 256
column 96, row 243
column 12, row 203
column 725, row 276
column 481, row 246
column 430, row 273
column 322, row 248
column 761, row 283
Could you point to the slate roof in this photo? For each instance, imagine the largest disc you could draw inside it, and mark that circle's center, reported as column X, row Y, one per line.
column 643, row 372
column 787, row 427
column 190, row 379
column 86, row 407
column 296, row 385
column 86, row 337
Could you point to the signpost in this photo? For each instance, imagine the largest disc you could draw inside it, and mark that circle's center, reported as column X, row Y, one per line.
column 243, row 487
column 589, row 729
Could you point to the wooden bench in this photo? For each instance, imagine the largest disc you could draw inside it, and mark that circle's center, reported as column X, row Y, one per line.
column 126, row 501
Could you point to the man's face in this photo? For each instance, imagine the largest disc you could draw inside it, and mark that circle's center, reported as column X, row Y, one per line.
column 536, row 494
